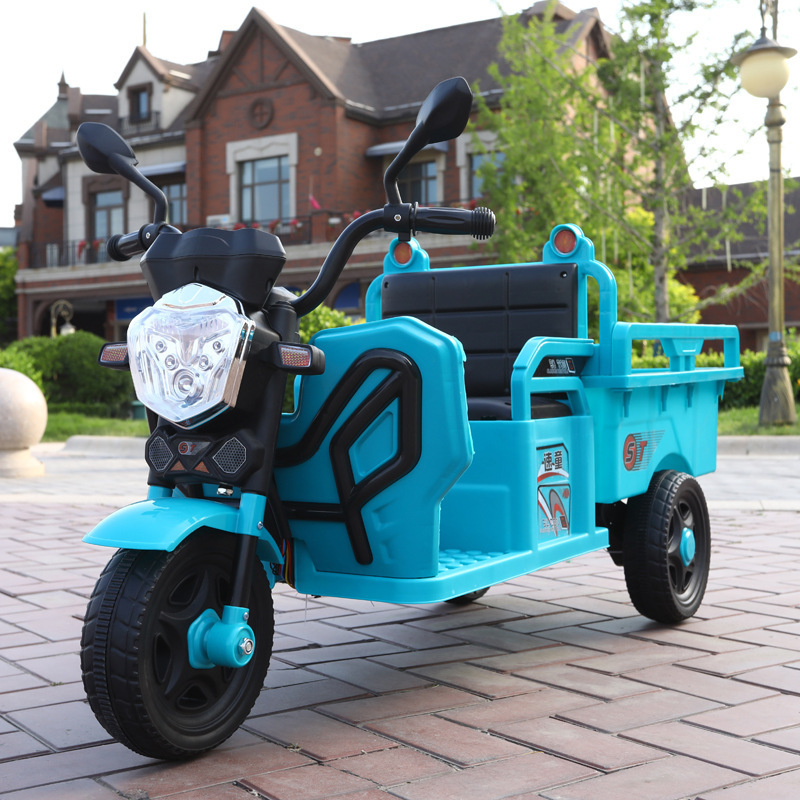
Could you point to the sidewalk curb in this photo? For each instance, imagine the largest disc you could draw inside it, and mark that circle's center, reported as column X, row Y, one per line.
column 133, row 446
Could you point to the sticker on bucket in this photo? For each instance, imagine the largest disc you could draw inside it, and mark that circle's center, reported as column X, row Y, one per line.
column 553, row 491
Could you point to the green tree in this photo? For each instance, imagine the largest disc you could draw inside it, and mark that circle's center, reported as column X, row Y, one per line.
column 596, row 143
column 8, row 298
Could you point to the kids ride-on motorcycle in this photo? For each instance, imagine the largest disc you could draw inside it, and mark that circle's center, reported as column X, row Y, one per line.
column 467, row 433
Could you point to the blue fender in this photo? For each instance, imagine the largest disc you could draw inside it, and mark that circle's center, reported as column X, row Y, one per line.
column 163, row 523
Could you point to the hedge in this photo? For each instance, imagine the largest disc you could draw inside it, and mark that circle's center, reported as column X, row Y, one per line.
column 70, row 374
column 746, row 392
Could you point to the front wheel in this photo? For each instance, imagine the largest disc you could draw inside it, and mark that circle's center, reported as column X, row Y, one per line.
column 667, row 548
column 135, row 656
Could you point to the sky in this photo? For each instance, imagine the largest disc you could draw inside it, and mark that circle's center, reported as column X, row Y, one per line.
column 90, row 41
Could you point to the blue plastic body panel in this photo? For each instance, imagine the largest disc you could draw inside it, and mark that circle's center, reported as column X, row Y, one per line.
column 163, row 522
column 528, row 497
column 402, row 522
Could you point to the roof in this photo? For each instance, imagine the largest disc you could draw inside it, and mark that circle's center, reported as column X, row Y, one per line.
column 388, row 79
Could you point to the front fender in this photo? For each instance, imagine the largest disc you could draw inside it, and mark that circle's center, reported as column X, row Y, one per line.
column 163, row 523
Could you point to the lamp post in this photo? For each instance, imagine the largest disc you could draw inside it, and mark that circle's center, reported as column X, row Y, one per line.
column 764, row 71
column 63, row 309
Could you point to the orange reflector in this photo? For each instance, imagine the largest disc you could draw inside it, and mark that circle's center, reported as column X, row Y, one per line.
column 114, row 354
column 403, row 253
column 293, row 356
column 565, row 241
column 177, row 467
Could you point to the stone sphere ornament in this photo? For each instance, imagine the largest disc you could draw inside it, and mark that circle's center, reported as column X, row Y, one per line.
column 23, row 417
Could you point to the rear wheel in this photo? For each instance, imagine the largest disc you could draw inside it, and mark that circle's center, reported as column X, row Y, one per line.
column 469, row 597
column 134, row 649
column 667, row 548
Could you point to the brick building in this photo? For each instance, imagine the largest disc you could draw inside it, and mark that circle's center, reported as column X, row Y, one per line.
column 284, row 130
column 276, row 128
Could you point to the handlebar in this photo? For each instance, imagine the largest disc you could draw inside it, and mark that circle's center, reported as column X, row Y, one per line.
column 404, row 219
column 478, row 222
column 121, row 247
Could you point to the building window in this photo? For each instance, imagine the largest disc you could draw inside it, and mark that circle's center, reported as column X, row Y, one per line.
column 107, row 214
column 417, row 183
column 265, row 185
column 139, row 109
column 476, row 161
column 176, row 203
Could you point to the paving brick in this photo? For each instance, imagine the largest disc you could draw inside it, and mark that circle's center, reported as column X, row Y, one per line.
column 319, row 655
column 731, row 624
column 370, row 676
column 483, row 682
column 315, row 735
column 722, row 690
column 515, row 709
column 500, row 638
column 303, row 695
column 679, row 637
column 17, row 744
column 739, row 661
column 400, row 704
column 667, row 779
column 786, row 739
column 444, row 739
column 779, row 787
column 26, row 773
column 407, row 636
column 716, row 748
column 439, row 655
column 501, row 779
column 83, row 789
column 550, row 654
column 62, row 726
column 225, row 764
column 642, row 657
column 395, row 766
column 585, row 681
column 592, row 639
column 565, row 619
column 316, row 782
column 783, row 679
column 751, row 719
column 576, row 743
column 634, row 712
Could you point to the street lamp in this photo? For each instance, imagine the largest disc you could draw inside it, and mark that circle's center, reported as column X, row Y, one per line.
column 63, row 309
column 764, row 71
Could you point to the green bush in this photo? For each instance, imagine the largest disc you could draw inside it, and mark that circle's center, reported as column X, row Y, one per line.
column 746, row 392
column 21, row 362
column 70, row 372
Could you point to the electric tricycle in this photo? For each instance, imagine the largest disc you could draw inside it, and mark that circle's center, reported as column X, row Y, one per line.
column 468, row 432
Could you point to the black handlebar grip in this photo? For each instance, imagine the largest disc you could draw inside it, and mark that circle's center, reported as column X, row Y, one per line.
column 122, row 247
column 478, row 222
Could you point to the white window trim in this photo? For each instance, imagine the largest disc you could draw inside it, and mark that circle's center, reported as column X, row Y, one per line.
column 439, row 158
column 465, row 147
column 252, row 150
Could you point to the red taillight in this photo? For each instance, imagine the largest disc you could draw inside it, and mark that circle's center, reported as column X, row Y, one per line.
column 565, row 241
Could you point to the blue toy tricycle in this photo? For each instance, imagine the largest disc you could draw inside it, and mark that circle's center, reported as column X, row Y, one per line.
column 469, row 432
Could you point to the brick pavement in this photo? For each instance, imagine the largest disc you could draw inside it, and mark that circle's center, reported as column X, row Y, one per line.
column 551, row 686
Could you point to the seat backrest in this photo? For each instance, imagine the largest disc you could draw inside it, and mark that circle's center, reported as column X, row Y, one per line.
column 492, row 311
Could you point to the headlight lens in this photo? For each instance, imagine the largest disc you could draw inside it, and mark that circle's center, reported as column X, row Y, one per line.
column 187, row 354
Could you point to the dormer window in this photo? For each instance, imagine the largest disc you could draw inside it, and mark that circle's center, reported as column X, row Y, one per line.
column 140, row 103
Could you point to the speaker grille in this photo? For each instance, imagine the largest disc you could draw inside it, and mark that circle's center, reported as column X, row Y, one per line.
column 159, row 454
column 231, row 457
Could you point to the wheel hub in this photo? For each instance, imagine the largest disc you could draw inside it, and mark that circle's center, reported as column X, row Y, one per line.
column 688, row 546
column 226, row 642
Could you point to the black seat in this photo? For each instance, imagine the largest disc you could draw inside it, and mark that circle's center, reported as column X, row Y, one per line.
column 492, row 311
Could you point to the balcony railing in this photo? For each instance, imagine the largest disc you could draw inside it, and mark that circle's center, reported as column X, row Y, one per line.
column 68, row 254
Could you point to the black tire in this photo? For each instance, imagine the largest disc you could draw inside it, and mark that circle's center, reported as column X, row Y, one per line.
column 665, row 582
column 134, row 650
column 469, row 597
